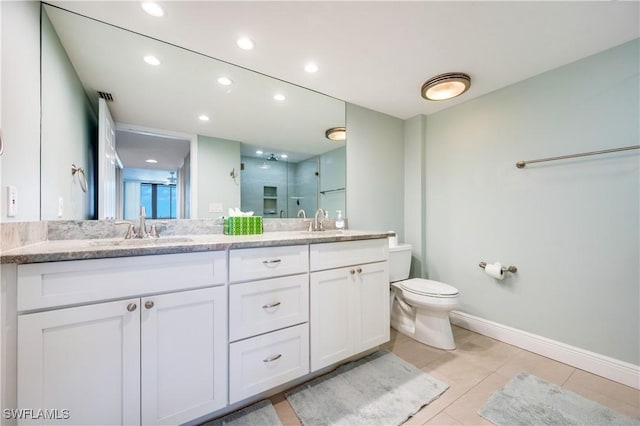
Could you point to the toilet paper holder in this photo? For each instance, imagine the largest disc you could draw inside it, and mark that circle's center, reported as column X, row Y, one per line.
column 511, row 269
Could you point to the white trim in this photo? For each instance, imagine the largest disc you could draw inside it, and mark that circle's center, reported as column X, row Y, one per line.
column 613, row 369
column 193, row 179
column 193, row 150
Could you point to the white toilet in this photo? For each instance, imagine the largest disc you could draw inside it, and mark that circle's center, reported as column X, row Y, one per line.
column 420, row 307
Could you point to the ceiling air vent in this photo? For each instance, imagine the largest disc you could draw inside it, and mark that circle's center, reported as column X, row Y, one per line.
column 106, row 96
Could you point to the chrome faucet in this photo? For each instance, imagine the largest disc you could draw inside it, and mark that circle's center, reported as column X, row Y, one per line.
column 142, row 228
column 302, row 214
column 317, row 224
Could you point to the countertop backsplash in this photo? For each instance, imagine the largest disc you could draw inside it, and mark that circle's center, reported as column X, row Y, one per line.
column 21, row 234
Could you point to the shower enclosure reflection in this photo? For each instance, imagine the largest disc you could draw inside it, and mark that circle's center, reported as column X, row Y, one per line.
column 276, row 187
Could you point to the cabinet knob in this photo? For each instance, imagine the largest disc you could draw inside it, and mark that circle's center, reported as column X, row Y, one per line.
column 148, row 304
column 131, row 307
column 272, row 358
column 359, row 270
column 352, row 271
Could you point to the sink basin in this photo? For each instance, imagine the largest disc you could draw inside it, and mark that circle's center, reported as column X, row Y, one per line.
column 140, row 242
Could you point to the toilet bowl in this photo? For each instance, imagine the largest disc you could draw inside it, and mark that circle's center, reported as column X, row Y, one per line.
column 420, row 307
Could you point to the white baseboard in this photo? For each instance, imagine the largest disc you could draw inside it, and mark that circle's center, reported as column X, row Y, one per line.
column 613, row 369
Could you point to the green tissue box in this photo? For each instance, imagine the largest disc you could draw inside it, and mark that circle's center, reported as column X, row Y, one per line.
column 243, row 225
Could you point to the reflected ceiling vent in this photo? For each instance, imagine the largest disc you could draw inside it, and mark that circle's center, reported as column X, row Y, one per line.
column 106, row 96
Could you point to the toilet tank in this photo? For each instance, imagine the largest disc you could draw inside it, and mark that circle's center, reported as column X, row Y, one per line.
column 399, row 262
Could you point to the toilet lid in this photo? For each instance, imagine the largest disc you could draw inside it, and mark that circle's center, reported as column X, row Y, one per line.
column 429, row 287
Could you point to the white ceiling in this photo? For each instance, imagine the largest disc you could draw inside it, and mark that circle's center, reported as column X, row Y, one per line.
column 378, row 54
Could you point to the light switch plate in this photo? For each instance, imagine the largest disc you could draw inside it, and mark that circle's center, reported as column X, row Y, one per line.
column 215, row 207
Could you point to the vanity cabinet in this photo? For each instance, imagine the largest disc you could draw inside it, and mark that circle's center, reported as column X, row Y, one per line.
column 152, row 359
column 349, row 294
column 268, row 318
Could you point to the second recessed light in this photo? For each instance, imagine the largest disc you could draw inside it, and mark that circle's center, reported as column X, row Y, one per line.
column 311, row 67
column 279, row 97
column 245, row 43
column 152, row 60
column 153, row 9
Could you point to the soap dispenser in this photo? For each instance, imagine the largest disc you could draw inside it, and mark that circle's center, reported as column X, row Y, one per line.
column 339, row 220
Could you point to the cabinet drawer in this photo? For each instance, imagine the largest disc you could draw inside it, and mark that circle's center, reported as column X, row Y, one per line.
column 43, row 285
column 258, row 263
column 346, row 253
column 261, row 306
column 266, row 361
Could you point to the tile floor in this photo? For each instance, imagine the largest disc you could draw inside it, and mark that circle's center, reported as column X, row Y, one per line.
column 477, row 368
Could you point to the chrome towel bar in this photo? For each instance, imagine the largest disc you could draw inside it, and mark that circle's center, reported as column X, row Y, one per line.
column 511, row 269
column 521, row 164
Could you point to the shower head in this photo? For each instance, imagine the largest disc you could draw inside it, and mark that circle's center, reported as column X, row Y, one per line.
column 272, row 157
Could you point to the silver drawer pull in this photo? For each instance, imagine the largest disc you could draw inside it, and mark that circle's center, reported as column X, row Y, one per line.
column 272, row 358
column 271, row 305
column 271, row 261
column 131, row 307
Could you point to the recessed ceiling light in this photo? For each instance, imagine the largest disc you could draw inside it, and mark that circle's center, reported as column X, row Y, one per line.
column 245, row 43
column 151, row 161
column 225, row 81
column 284, row 156
column 279, row 97
column 445, row 86
column 152, row 60
column 259, row 152
column 311, row 67
column 152, row 8
column 203, row 117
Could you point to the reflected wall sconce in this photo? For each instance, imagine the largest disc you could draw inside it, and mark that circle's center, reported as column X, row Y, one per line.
column 336, row 133
column 82, row 178
column 445, row 86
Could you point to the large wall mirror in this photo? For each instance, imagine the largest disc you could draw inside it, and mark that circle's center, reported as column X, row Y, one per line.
column 185, row 135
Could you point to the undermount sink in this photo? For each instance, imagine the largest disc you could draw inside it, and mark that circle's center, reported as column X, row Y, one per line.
column 137, row 242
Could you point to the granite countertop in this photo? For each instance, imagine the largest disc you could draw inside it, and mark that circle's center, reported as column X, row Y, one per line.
column 60, row 250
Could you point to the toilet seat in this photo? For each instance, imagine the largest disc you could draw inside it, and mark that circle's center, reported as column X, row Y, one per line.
column 426, row 287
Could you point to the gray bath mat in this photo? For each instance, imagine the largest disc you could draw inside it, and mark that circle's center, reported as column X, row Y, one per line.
column 529, row 400
column 259, row 414
column 380, row 389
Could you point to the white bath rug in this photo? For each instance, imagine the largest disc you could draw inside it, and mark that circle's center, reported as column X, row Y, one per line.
column 529, row 400
column 380, row 389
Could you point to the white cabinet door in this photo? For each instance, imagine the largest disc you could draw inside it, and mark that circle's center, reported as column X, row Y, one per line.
column 331, row 316
column 184, row 355
column 373, row 290
column 85, row 360
column 349, row 312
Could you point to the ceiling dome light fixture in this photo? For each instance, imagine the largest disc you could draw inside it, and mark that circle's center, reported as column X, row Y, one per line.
column 445, row 86
column 336, row 133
